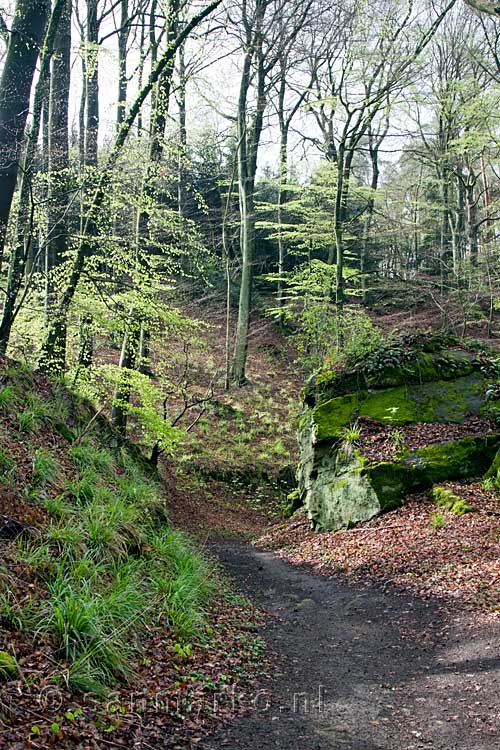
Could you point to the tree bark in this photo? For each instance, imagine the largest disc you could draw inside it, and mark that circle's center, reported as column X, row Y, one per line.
column 26, row 36
column 248, row 145
column 92, row 84
column 123, row 36
column 22, row 257
column 58, row 177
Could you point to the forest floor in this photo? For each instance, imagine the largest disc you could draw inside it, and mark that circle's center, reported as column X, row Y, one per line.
column 382, row 636
column 360, row 667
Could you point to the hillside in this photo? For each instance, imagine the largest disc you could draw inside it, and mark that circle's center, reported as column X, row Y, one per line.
column 103, row 597
column 102, row 602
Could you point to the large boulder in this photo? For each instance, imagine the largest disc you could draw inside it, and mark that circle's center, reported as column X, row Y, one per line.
column 371, row 435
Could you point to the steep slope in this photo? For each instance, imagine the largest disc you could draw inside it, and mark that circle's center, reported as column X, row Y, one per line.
column 97, row 591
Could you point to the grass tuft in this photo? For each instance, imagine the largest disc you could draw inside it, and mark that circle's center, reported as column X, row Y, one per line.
column 46, row 468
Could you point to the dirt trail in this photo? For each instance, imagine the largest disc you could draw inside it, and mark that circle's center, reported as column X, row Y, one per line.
column 361, row 669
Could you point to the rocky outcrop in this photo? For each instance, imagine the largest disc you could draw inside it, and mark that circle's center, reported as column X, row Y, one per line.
column 493, row 474
column 341, row 482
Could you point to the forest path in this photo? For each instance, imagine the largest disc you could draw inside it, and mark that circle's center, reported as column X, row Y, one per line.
column 358, row 668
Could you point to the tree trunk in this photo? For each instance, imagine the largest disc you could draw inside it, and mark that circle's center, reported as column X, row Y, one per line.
column 58, row 201
column 81, row 114
column 92, row 84
column 26, row 37
column 247, row 238
column 181, row 101
column 374, row 150
column 140, row 68
column 53, row 355
column 247, row 150
column 123, row 36
column 128, row 358
column 22, row 256
column 472, row 233
column 282, row 193
column 344, row 163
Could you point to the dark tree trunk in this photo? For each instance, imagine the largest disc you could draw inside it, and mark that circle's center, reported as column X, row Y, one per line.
column 136, row 335
column 23, row 257
column 181, row 100
column 26, row 37
column 53, row 354
column 92, row 85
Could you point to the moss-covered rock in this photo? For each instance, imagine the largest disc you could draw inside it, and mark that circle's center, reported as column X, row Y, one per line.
column 416, row 368
column 338, row 492
column 340, row 488
column 441, row 401
column 293, row 503
column 493, row 473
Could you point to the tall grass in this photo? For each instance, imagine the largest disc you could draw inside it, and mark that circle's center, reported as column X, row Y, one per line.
column 108, row 566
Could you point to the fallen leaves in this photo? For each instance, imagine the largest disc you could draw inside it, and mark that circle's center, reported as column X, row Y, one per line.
column 458, row 563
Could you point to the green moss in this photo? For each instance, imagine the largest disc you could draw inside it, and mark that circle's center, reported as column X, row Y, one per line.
column 421, row 366
column 461, row 507
column 293, row 503
column 8, row 666
column 463, row 458
column 339, row 484
column 493, row 472
column 398, row 406
column 431, row 402
column 331, row 417
column 444, row 497
column 390, row 481
column 437, row 520
column 447, row 499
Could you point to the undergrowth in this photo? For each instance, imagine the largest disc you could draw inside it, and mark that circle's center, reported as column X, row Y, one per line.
column 104, row 565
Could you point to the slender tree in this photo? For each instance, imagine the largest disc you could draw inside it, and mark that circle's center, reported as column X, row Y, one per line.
column 58, row 177
column 264, row 43
column 22, row 249
column 53, row 355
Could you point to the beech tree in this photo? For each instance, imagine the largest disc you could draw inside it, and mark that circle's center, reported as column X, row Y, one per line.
column 53, row 355
column 25, row 40
column 269, row 27
column 353, row 83
column 108, row 206
column 24, row 230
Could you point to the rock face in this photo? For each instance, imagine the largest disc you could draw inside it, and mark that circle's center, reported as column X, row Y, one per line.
column 341, row 482
column 493, row 473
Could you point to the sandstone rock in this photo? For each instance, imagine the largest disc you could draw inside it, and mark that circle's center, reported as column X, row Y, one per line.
column 340, row 486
